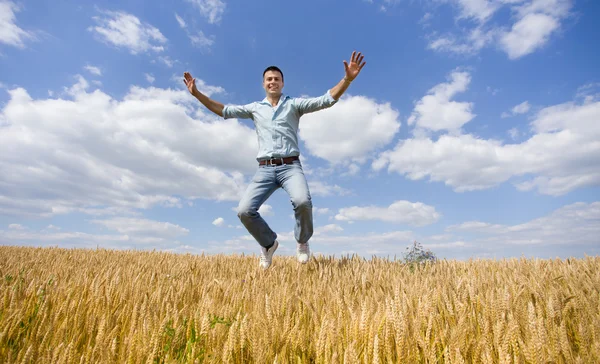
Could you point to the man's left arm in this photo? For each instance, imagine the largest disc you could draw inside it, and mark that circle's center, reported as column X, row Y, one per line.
column 352, row 70
column 305, row 106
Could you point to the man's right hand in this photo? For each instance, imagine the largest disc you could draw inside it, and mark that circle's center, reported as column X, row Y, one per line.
column 190, row 83
column 212, row 105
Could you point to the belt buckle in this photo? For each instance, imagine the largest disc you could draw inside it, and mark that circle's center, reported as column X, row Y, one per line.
column 270, row 161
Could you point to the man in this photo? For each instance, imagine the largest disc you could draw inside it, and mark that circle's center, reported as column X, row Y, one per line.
column 276, row 119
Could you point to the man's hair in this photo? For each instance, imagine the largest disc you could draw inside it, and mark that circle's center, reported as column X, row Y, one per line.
column 273, row 68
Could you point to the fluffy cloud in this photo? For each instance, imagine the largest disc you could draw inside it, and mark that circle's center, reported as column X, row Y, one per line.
column 578, row 223
column 132, row 233
column 125, row 30
column 331, row 228
column 149, row 77
column 522, row 108
column 142, row 227
column 404, row 212
column 10, row 32
column 265, row 210
column 351, row 129
column 202, row 41
column 528, row 34
column 435, row 111
column 219, row 221
column 532, row 24
column 199, row 39
column 321, row 210
column 563, row 154
column 211, row 9
column 320, row 188
column 91, row 153
column 93, row 70
column 180, row 21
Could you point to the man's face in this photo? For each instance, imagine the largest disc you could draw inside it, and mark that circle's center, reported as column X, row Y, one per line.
column 272, row 83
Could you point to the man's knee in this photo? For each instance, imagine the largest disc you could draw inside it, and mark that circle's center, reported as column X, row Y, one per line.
column 246, row 212
column 302, row 203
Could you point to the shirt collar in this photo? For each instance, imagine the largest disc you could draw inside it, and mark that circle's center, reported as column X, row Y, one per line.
column 281, row 99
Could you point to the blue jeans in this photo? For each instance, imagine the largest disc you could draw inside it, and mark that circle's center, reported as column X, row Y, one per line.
column 267, row 179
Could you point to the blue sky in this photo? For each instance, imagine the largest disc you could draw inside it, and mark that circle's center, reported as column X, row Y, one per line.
column 472, row 129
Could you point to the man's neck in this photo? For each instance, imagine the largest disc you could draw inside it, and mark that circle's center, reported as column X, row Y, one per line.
column 273, row 100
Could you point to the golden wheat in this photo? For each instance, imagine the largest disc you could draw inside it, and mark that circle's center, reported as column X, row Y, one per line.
column 103, row 306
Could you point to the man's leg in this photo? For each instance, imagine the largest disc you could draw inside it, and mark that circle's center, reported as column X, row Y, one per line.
column 260, row 189
column 292, row 179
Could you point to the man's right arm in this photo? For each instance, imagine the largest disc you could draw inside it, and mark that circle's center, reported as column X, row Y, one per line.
column 210, row 104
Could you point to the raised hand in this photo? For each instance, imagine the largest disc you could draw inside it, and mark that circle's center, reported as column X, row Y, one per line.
column 190, row 83
column 356, row 64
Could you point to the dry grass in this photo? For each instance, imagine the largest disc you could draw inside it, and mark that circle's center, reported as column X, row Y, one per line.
column 100, row 306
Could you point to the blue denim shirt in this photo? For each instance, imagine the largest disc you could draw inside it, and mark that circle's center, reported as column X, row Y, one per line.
column 277, row 127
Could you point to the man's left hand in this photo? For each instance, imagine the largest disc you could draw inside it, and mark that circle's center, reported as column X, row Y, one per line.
column 356, row 64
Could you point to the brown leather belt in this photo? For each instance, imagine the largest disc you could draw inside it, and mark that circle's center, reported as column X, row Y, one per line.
column 277, row 161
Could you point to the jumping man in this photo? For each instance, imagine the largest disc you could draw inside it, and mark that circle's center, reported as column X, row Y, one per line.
column 276, row 120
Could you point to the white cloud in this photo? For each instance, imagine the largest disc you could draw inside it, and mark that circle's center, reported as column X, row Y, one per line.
column 404, row 212
column 142, row 227
column 90, row 150
column 167, row 61
column 320, row 188
column 480, row 10
column 331, row 228
column 353, row 170
column 531, row 26
column 528, row 34
column 180, row 21
column 492, row 90
column 578, row 223
column 266, row 210
column 321, row 210
column 10, row 32
column 199, row 39
column 211, row 9
column 522, row 108
column 219, row 221
column 125, row 30
column 514, row 133
column 93, row 70
column 425, row 19
column 393, row 242
column 16, row 227
column 332, row 134
column 85, row 240
column 202, row 41
column 149, row 77
column 435, row 111
column 589, row 91
column 560, row 156
column 473, row 42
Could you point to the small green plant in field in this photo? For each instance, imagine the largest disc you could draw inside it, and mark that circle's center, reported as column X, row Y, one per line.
column 415, row 254
column 214, row 319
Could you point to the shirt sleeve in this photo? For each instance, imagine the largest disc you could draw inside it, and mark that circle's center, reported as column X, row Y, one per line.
column 312, row 104
column 238, row 111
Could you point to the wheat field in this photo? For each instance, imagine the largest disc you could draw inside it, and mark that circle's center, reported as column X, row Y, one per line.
column 107, row 306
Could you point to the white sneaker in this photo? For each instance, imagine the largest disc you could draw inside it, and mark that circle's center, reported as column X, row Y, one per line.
column 266, row 256
column 303, row 253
